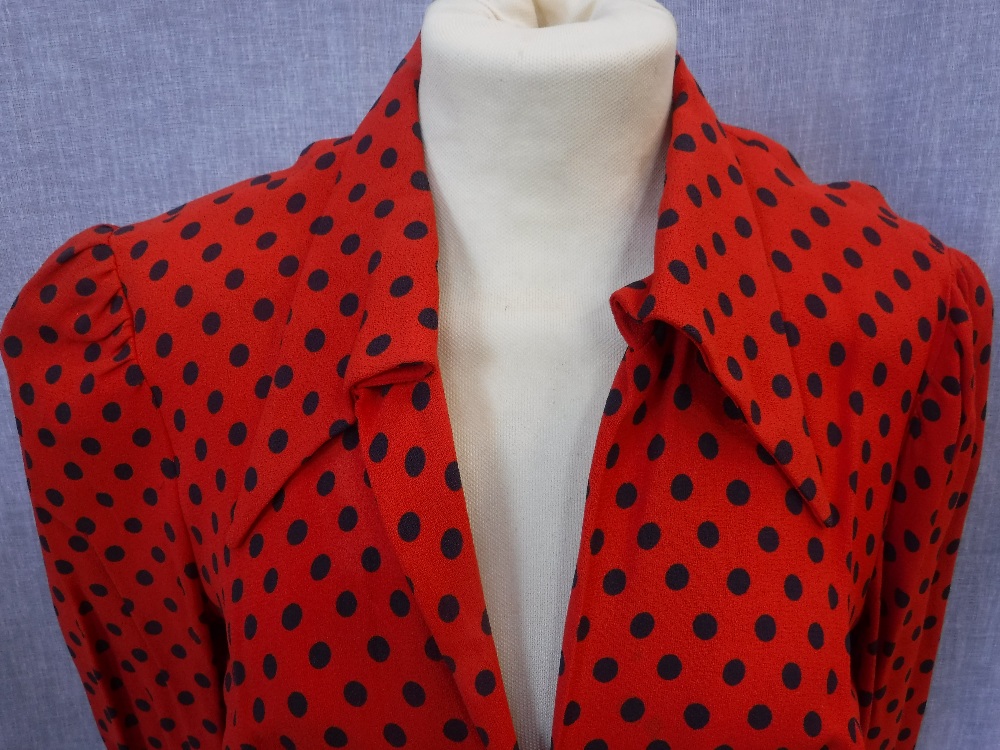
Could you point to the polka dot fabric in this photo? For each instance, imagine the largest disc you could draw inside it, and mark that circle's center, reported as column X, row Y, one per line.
column 243, row 474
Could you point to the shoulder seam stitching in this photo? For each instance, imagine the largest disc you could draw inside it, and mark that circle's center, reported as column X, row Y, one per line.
column 135, row 350
column 930, row 366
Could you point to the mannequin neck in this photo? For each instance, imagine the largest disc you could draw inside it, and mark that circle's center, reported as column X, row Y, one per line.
column 544, row 135
column 541, row 115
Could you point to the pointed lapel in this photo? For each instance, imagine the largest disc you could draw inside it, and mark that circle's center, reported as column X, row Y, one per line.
column 712, row 280
column 383, row 242
column 374, row 230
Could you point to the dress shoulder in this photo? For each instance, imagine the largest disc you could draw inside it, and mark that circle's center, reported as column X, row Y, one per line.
column 971, row 300
column 895, row 642
column 71, row 311
column 101, row 471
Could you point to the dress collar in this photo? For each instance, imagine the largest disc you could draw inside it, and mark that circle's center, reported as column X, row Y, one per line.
column 712, row 280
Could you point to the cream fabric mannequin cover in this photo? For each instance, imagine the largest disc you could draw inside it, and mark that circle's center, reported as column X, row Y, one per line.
column 544, row 130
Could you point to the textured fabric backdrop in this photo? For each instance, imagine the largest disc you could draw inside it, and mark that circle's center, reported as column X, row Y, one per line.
column 119, row 114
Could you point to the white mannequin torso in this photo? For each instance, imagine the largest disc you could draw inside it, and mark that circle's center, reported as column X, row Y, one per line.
column 543, row 126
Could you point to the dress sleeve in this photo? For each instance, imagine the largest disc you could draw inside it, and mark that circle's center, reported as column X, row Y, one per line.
column 934, row 478
column 142, row 633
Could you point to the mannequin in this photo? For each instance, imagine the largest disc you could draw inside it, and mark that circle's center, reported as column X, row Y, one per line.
column 544, row 127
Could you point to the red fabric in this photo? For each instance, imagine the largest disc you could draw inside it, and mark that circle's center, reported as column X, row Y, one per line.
column 243, row 473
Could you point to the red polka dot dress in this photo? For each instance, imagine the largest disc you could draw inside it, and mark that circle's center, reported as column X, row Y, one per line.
column 242, row 470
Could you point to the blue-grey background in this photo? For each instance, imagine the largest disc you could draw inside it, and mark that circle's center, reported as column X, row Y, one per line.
column 117, row 111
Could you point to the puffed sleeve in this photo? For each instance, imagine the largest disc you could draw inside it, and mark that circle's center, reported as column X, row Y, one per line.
column 934, row 478
column 101, row 474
